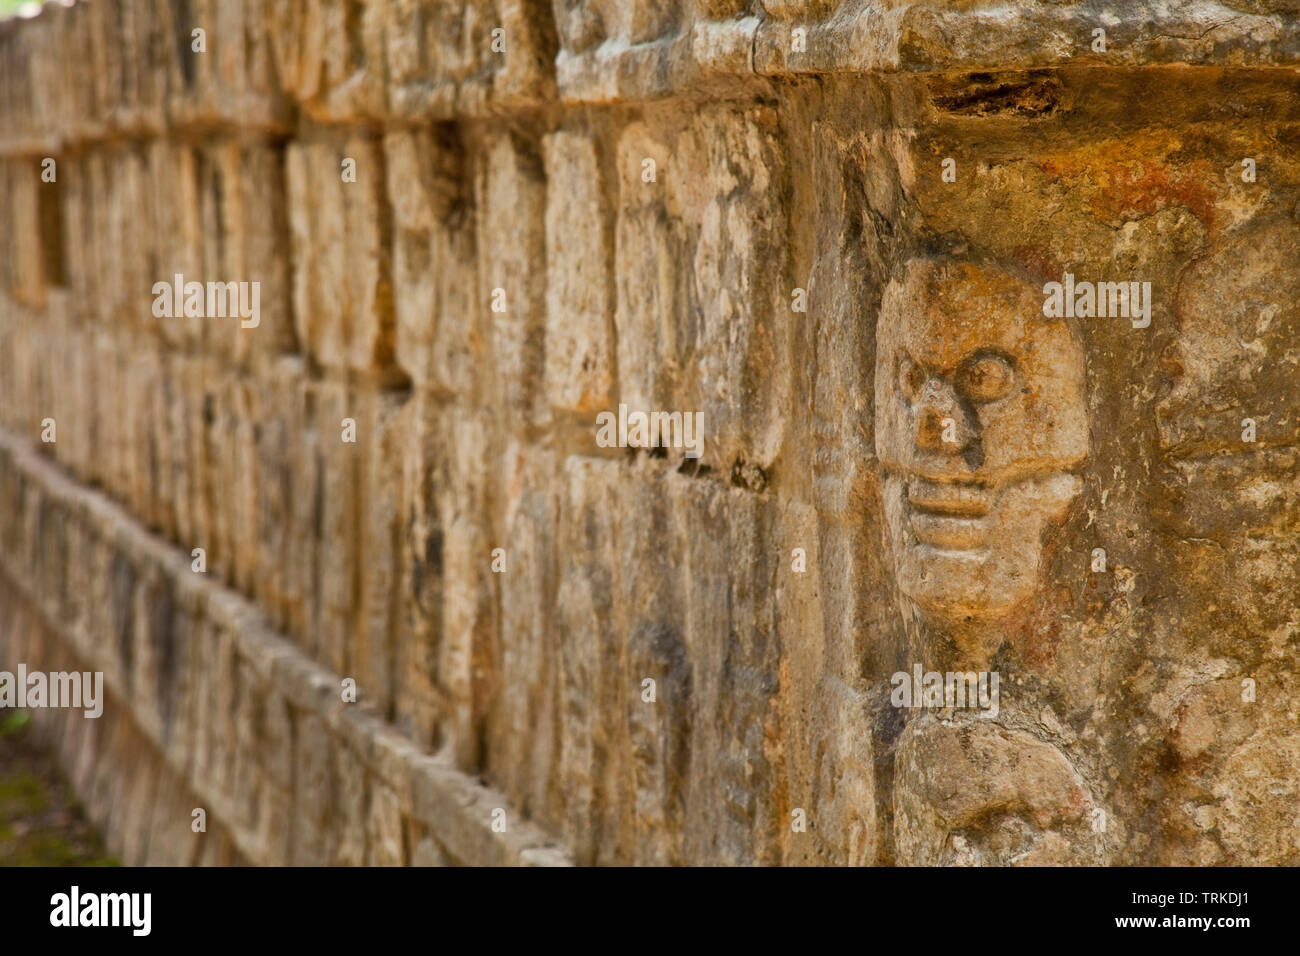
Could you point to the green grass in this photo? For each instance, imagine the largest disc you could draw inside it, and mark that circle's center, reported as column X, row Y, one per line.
column 41, row 823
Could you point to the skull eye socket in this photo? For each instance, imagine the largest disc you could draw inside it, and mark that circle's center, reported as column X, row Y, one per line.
column 985, row 378
column 911, row 377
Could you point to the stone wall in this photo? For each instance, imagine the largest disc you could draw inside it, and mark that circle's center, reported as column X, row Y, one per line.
column 830, row 228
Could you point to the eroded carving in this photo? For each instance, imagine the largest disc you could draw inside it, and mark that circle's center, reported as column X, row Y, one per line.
column 982, row 426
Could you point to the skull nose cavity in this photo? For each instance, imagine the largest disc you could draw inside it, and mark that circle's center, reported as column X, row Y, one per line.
column 941, row 427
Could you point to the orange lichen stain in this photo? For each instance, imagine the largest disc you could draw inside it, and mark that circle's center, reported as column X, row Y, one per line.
column 1040, row 261
column 1149, row 186
column 1128, row 183
column 1034, row 632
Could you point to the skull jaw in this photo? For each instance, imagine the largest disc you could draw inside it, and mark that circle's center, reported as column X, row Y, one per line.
column 967, row 574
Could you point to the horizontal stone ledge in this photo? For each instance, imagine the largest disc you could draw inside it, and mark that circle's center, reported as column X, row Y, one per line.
column 782, row 39
column 456, row 808
column 927, row 37
column 932, row 36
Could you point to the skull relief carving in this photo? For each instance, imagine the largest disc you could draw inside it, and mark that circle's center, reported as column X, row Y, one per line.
column 981, row 427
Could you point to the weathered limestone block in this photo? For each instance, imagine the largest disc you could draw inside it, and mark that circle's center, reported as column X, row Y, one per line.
column 7, row 245
column 140, row 431
column 139, row 803
column 315, row 794
column 9, row 373
column 350, row 818
column 31, row 377
column 383, row 827
column 342, row 301
column 251, row 86
column 175, row 643
column 191, row 92
column 17, row 388
column 331, row 55
column 105, row 56
column 524, row 74
column 592, row 741
column 219, row 481
column 579, row 352
column 468, row 655
column 859, row 36
column 405, row 57
column 92, row 764
column 457, row 815
column 73, row 26
column 127, row 285
column 381, row 628
column 25, row 275
column 368, row 297
column 44, row 89
column 524, row 727
column 447, row 60
column 124, row 582
column 419, row 704
column 414, row 83
column 608, row 50
column 171, row 841
column 153, row 667
column 142, row 32
column 122, row 79
column 96, row 222
column 49, row 563
column 649, row 591
column 113, row 467
column 179, row 243
column 417, row 197
column 317, row 222
column 75, row 606
column 300, row 556
column 459, row 342
column 243, row 487
column 183, row 455
column 1227, row 517
column 652, row 297
column 510, row 200
column 73, row 208
column 225, row 74
column 732, row 819
column 262, row 225
column 272, row 752
column 723, row 38
column 212, row 645
column 273, row 411
column 160, row 446
column 112, row 790
column 725, row 175
column 435, row 293
column 845, row 818
column 333, row 562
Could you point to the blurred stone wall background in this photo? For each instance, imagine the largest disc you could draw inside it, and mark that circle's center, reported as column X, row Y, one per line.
column 796, row 146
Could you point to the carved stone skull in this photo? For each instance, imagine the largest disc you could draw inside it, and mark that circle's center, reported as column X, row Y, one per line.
column 981, row 426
